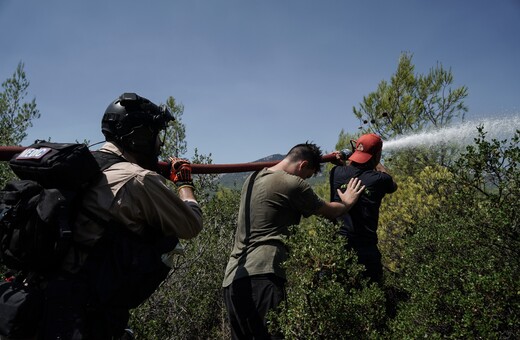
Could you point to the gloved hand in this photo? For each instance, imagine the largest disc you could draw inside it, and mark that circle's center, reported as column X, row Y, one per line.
column 180, row 172
column 341, row 156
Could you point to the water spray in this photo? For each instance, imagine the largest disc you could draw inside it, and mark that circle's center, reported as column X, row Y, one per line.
column 461, row 134
column 7, row 152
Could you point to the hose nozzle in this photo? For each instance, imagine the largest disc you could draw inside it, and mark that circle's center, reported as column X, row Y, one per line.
column 345, row 154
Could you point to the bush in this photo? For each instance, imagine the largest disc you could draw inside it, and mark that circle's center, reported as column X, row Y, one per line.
column 461, row 265
column 417, row 197
column 327, row 298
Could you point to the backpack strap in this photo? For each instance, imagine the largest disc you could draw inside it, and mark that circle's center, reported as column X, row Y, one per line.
column 105, row 159
column 248, row 203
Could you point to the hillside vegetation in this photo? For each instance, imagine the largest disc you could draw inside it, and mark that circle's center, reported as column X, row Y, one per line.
column 450, row 236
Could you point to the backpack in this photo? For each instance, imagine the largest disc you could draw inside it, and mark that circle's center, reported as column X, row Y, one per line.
column 37, row 210
column 36, row 214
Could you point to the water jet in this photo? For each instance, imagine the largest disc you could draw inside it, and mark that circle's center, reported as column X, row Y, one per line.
column 459, row 134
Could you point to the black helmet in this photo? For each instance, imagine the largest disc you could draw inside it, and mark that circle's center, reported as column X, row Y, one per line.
column 129, row 113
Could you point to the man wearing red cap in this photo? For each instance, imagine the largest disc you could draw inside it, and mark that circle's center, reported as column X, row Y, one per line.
column 360, row 223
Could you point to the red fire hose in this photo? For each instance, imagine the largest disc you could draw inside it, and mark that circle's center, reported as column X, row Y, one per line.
column 7, row 152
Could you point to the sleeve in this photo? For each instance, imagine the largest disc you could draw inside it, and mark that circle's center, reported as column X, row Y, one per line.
column 147, row 200
column 304, row 199
column 388, row 183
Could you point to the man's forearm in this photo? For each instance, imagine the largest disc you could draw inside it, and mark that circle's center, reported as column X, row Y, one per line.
column 186, row 193
column 381, row 168
column 332, row 210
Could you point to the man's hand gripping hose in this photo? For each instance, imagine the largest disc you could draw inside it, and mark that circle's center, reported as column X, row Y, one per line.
column 341, row 156
column 180, row 173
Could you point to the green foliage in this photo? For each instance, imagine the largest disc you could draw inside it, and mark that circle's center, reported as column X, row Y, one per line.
column 206, row 184
column 418, row 196
column 321, row 185
column 175, row 144
column 327, row 298
column 344, row 141
column 450, row 235
column 16, row 114
column 411, row 102
column 461, row 265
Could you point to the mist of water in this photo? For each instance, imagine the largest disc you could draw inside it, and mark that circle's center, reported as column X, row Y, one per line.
column 461, row 134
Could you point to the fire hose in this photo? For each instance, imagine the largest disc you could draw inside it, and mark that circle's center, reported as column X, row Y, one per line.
column 7, row 152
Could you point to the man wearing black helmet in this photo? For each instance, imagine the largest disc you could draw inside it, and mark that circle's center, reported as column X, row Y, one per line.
column 129, row 221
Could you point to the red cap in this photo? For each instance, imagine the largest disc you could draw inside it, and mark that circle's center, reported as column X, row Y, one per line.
column 366, row 147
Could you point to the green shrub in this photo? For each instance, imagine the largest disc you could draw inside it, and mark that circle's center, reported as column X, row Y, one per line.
column 327, row 298
column 461, row 265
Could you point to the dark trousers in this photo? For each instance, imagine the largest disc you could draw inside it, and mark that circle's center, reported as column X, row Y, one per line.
column 369, row 256
column 69, row 315
column 248, row 300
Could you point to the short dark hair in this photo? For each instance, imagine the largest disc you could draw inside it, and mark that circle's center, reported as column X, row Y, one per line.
column 309, row 152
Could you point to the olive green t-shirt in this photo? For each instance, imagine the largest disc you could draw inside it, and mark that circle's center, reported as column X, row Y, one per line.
column 278, row 200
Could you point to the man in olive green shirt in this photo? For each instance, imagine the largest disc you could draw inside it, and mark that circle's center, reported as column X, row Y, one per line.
column 254, row 279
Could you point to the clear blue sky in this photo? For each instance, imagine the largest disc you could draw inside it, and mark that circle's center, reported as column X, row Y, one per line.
column 256, row 76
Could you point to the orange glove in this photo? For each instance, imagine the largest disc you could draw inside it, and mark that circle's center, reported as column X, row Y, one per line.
column 180, row 172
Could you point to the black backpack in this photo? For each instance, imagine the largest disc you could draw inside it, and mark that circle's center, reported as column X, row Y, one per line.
column 36, row 215
column 37, row 210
